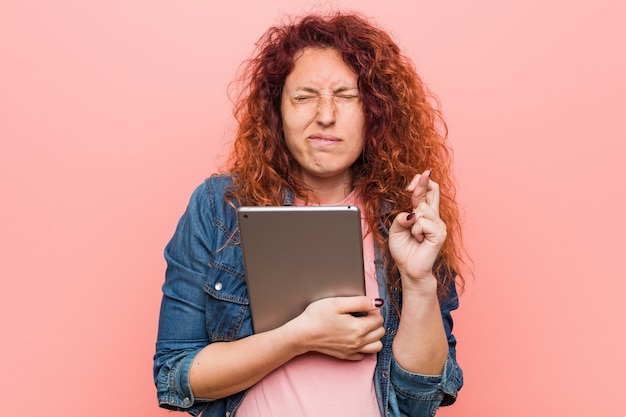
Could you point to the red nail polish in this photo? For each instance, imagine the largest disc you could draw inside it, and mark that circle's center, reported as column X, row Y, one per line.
column 378, row 302
column 410, row 216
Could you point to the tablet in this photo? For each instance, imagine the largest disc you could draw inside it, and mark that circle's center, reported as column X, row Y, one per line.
column 295, row 255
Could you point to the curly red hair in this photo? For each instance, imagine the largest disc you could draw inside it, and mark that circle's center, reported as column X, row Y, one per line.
column 405, row 133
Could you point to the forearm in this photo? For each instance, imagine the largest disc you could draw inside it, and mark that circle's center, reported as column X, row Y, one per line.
column 225, row 368
column 421, row 345
column 326, row 326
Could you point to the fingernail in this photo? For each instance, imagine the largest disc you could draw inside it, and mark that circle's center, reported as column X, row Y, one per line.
column 430, row 172
column 410, row 216
column 378, row 302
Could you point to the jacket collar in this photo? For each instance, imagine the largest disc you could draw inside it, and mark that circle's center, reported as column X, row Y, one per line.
column 289, row 197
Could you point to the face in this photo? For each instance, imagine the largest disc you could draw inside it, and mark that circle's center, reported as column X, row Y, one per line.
column 323, row 119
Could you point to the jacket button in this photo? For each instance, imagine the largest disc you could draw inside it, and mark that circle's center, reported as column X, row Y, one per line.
column 186, row 400
column 218, row 286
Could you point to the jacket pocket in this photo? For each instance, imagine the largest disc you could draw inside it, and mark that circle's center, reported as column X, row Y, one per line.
column 227, row 310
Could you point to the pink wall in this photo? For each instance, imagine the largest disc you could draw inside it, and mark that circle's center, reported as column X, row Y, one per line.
column 112, row 112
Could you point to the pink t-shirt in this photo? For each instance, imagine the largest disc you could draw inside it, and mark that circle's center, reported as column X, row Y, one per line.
column 314, row 384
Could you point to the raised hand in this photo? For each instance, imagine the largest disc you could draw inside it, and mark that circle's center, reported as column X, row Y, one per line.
column 416, row 238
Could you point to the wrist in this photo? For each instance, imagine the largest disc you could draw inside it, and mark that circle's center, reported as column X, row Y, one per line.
column 295, row 336
column 424, row 286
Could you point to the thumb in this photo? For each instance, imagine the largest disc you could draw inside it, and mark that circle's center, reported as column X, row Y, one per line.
column 402, row 222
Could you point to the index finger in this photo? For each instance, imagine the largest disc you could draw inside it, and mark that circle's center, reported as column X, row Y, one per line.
column 357, row 304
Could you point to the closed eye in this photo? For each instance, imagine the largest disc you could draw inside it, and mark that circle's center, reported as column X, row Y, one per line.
column 347, row 97
column 302, row 98
column 311, row 97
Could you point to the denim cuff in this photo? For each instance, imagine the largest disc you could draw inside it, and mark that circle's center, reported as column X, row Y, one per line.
column 442, row 387
column 176, row 393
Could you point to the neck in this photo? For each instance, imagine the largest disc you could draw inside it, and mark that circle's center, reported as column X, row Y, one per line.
column 331, row 190
column 332, row 196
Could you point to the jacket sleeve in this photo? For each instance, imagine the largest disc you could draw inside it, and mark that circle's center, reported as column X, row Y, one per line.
column 183, row 302
column 421, row 395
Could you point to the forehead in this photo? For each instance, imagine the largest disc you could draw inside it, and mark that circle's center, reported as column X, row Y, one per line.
column 320, row 68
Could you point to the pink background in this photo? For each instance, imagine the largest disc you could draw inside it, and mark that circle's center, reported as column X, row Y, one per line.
column 112, row 112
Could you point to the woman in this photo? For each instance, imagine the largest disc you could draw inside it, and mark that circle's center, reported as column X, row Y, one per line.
column 331, row 113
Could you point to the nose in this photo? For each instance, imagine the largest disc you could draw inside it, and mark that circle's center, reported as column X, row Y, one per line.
column 326, row 110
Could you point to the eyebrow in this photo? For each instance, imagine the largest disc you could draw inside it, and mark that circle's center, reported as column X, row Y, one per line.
column 316, row 91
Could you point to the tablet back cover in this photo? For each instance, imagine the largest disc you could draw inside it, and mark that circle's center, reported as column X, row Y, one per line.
column 296, row 255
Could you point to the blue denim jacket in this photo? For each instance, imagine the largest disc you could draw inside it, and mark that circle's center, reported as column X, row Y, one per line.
column 205, row 300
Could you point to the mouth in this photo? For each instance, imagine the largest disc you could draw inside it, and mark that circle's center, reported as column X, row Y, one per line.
column 323, row 139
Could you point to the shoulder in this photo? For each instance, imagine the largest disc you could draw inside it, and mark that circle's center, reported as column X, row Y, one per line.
column 211, row 193
column 208, row 206
column 210, row 198
column 214, row 186
column 219, row 182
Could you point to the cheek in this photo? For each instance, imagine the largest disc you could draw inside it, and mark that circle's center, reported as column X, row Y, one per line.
column 288, row 130
column 291, row 131
column 295, row 123
column 358, row 125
